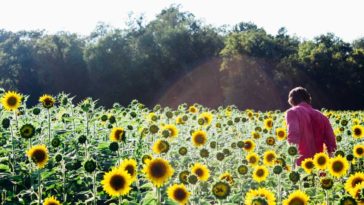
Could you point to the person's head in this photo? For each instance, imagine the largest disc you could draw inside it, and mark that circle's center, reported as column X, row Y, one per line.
column 298, row 95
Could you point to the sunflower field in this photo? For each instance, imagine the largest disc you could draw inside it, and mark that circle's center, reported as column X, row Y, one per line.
column 59, row 152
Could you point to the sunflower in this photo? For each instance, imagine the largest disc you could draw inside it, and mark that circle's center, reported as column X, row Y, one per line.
column 270, row 141
column 281, row 133
column 255, row 135
column 51, row 201
column 201, row 171
column 347, row 200
column 243, row 169
column 47, row 101
column 117, row 134
column 27, row 131
column 183, row 176
column 192, row 109
column 298, row 197
column 178, row 193
column 169, row 131
column 39, row 155
column 221, row 190
column 263, row 195
column 205, row 118
column 199, row 138
column 358, row 131
column 260, row 173
column 249, row 145
column 326, row 183
column 253, row 159
column 11, row 100
column 179, row 120
column 146, row 158
column 269, row 158
column 308, row 165
column 358, row 193
column 158, row 171
column 117, row 182
column 160, row 146
column 129, row 165
column 358, row 151
column 320, row 160
column 338, row 166
column 353, row 181
column 268, row 123
column 227, row 177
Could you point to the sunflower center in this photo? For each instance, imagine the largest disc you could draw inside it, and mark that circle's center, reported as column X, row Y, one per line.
column 179, row 194
column 200, row 139
column 199, row 172
column 357, row 131
column 296, row 201
column 321, row 160
column 52, row 203
column 359, row 151
column 130, row 169
column 252, row 160
column 269, row 124
column 337, row 166
column 48, row 102
column 162, row 146
column 38, row 156
column 12, row 101
column 260, row 172
column 270, row 157
column 309, row 165
column 118, row 134
column 158, row 169
column 281, row 134
column 248, row 145
column 117, row 182
column 356, row 181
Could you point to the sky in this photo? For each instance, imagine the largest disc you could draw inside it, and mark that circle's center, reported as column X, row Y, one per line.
column 303, row 18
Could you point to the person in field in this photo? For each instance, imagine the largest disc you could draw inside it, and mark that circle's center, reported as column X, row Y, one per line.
column 308, row 128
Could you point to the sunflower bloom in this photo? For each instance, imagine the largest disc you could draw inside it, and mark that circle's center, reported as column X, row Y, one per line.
column 269, row 158
column 129, row 165
column 321, row 160
column 353, row 181
column 11, row 100
column 260, row 173
column 199, row 138
column 178, row 193
column 260, row 196
column 117, row 134
column 51, row 201
column 39, row 155
column 338, row 166
column 308, row 165
column 47, row 101
column 158, row 171
column 117, row 182
column 201, row 171
column 298, row 197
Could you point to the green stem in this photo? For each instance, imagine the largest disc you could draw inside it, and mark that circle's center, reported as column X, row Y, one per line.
column 49, row 126
column 94, row 187
column 39, row 188
column 327, row 197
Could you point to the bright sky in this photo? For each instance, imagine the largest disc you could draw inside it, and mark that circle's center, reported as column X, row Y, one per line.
column 304, row 18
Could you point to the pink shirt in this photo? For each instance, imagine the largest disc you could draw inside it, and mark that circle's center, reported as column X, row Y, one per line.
column 310, row 130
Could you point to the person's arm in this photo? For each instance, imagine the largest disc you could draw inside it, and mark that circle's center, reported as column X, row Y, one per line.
column 329, row 137
column 293, row 127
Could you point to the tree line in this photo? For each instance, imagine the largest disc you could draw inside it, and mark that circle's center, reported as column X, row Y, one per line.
column 177, row 58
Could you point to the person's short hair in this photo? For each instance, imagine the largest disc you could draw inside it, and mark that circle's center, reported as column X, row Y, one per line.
column 298, row 95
